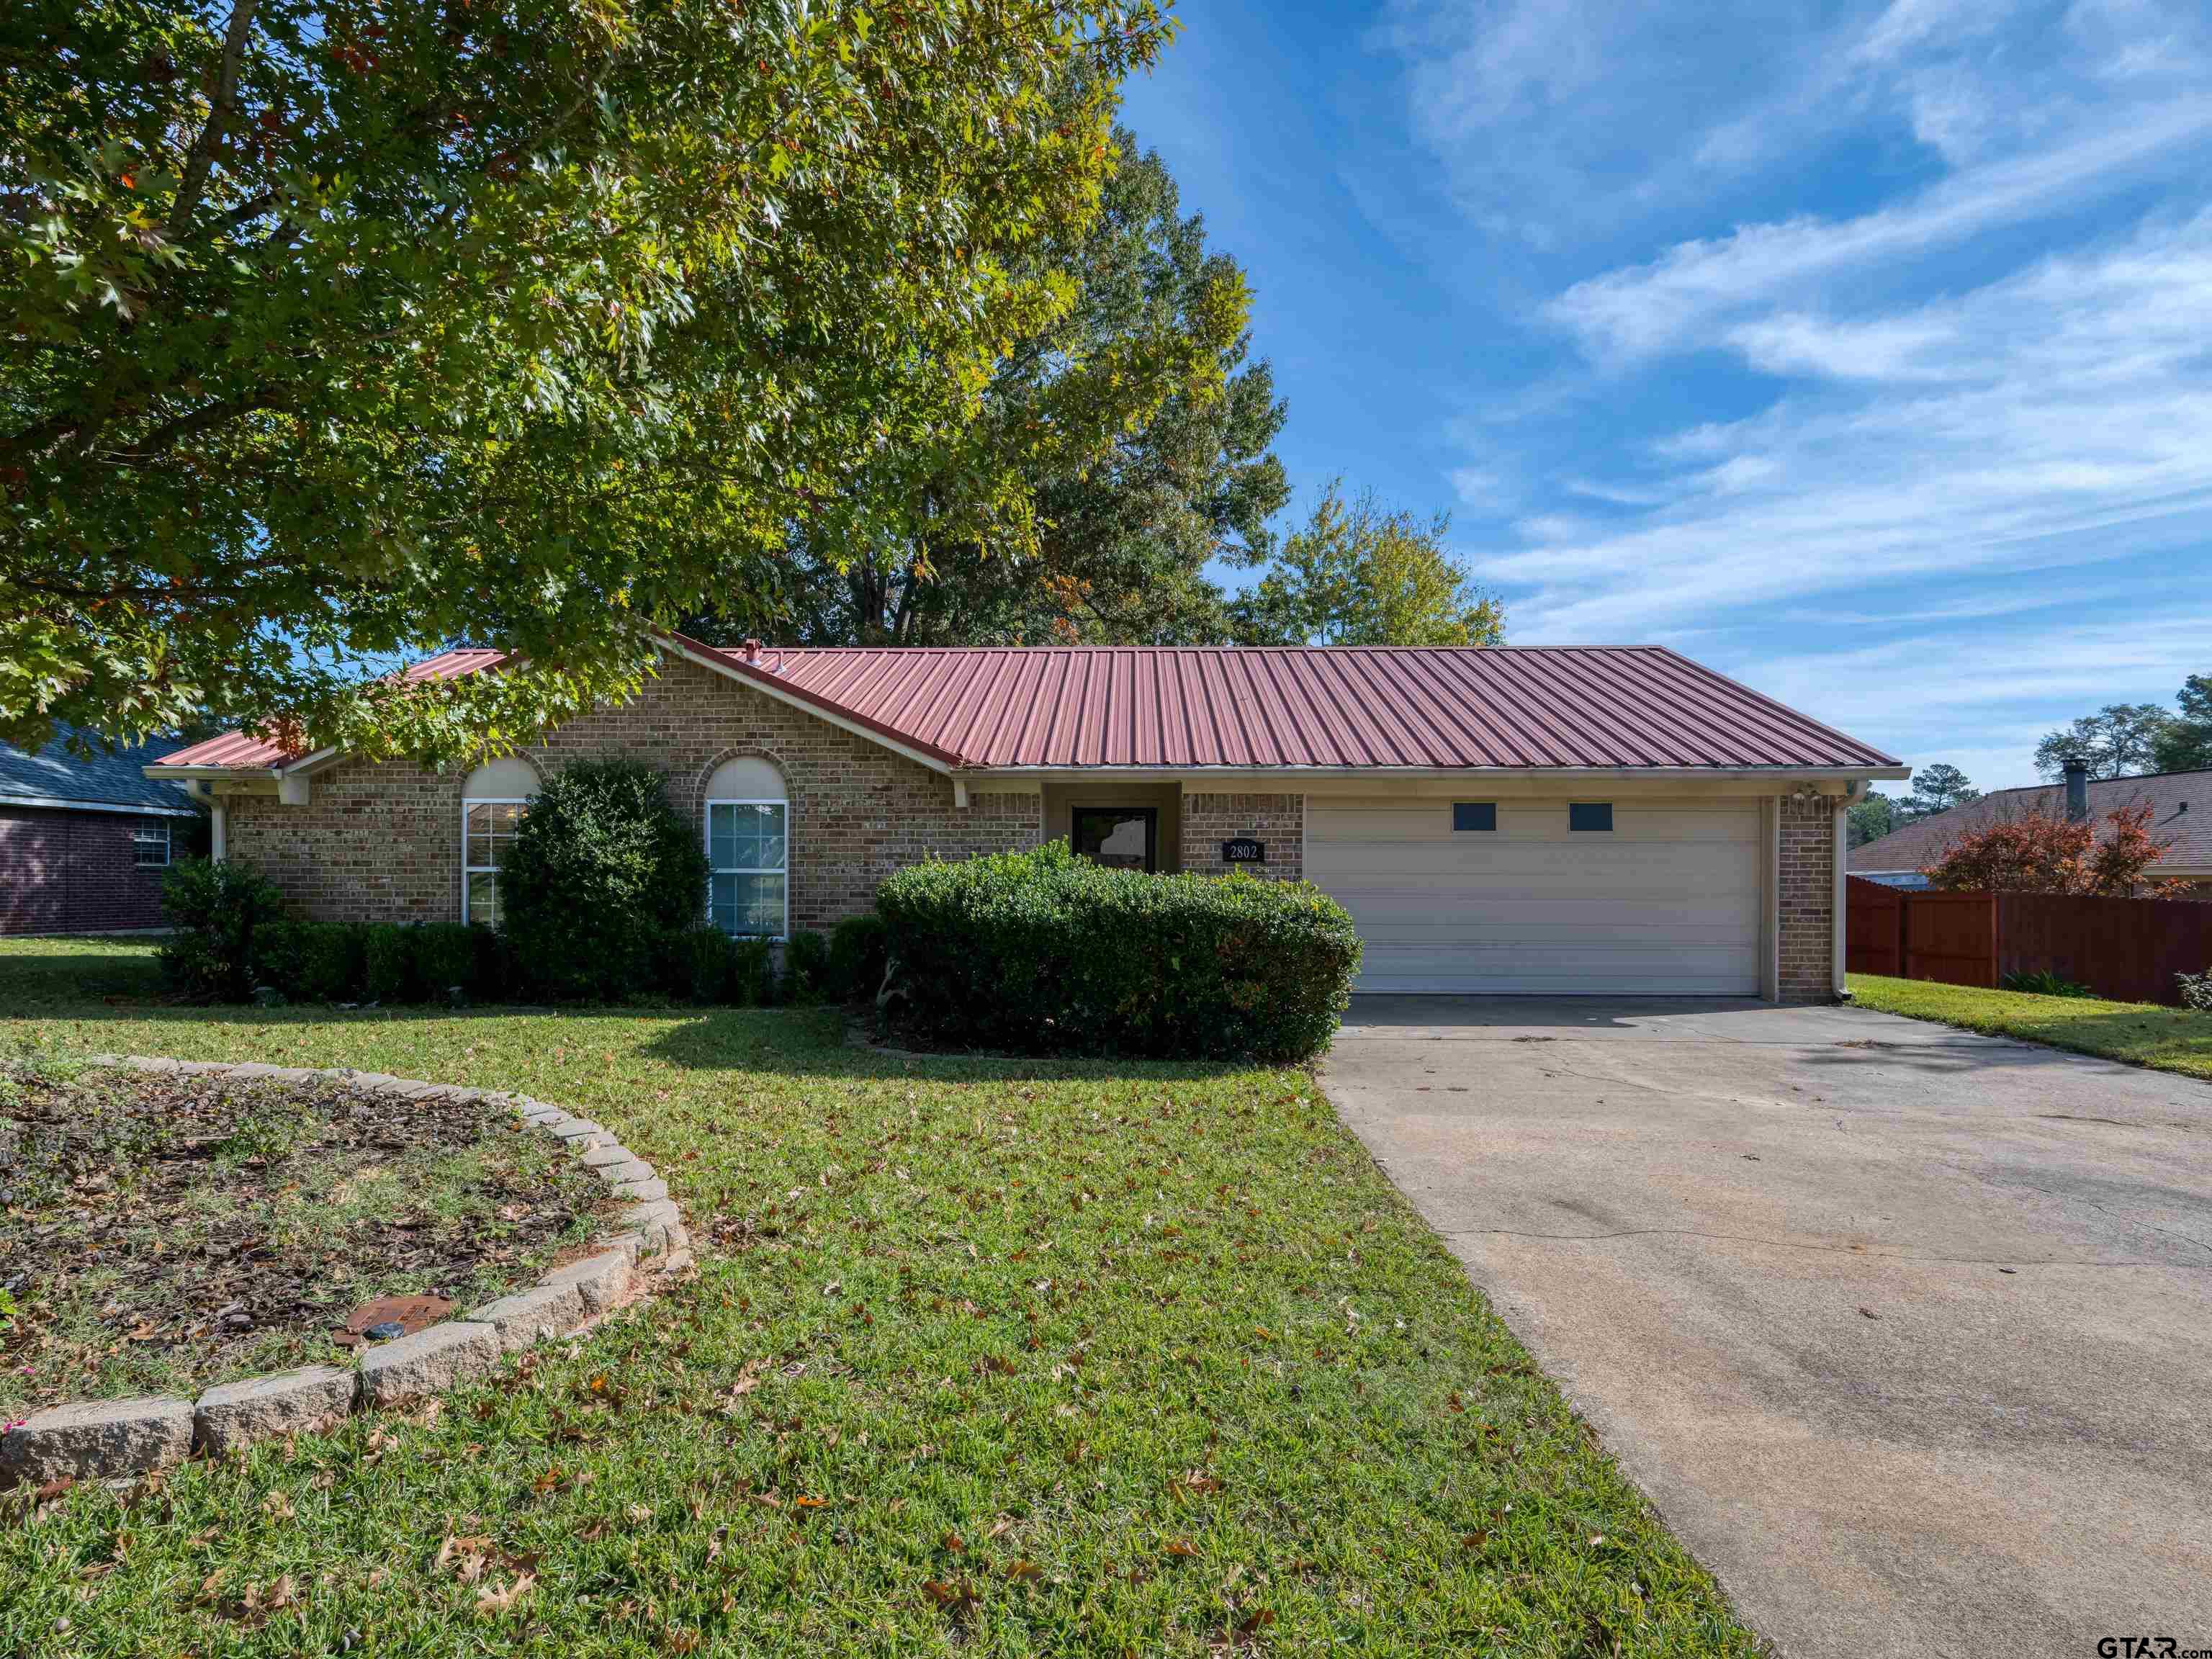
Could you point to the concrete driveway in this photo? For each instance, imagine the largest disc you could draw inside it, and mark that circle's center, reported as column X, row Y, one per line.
column 1907, row 1331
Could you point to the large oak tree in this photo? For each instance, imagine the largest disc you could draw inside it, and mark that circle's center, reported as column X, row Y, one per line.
column 338, row 331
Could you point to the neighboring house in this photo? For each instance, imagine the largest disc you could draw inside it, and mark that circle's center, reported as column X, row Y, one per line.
column 84, row 843
column 2180, row 818
column 1553, row 821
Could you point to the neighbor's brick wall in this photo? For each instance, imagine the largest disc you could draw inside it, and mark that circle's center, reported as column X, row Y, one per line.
column 75, row 872
column 382, row 843
column 1806, row 958
column 1278, row 820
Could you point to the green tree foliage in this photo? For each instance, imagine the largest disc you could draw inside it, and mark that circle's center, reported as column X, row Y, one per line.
column 2185, row 745
column 1139, row 432
column 1357, row 574
column 1871, row 820
column 2118, row 741
column 337, row 331
column 602, row 872
column 1936, row 788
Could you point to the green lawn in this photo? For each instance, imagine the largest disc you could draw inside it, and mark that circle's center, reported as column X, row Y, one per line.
column 2141, row 1033
column 990, row 1357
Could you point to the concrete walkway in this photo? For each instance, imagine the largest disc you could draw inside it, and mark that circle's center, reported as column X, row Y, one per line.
column 1907, row 1331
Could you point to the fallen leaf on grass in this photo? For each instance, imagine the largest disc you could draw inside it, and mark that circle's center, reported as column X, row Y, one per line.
column 494, row 1599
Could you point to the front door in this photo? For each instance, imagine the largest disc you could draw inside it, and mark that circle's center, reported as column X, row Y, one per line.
column 1119, row 837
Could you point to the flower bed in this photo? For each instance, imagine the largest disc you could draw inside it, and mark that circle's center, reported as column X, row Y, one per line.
column 301, row 1194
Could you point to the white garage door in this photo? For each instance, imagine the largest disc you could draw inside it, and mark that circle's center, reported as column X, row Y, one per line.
column 1665, row 903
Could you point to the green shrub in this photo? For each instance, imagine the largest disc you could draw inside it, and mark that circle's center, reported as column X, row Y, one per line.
column 752, row 973
column 388, row 974
column 806, row 967
column 700, row 966
column 2196, row 990
column 856, row 958
column 496, row 979
column 2043, row 983
column 446, row 961
column 217, row 908
column 602, row 870
column 279, row 956
column 334, row 958
column 1040, row 950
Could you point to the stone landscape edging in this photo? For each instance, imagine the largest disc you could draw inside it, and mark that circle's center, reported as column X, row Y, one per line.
column 112, row 1439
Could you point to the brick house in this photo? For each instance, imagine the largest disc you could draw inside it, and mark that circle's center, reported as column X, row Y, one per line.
column 85, row 841
column 1617, row 821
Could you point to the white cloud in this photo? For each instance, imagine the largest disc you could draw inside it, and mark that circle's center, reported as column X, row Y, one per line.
column 1676, row 301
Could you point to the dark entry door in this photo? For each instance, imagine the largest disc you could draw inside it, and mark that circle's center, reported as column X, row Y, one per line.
column 1119, row 837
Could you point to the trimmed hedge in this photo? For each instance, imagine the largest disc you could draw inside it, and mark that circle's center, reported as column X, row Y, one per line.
column 602, row 872
column 857, row 952
column 219, row 909
column 1041, row 950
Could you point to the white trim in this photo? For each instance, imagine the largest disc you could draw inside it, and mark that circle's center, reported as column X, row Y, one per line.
column 468, row 869
column 54, row 803
column 707, row 841
column 764, row 681
column 218, row 833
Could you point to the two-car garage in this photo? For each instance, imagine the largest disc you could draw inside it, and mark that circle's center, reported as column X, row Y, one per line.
column 1541, row 896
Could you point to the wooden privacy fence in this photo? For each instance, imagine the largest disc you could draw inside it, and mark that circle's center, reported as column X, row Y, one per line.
column 2126, row 949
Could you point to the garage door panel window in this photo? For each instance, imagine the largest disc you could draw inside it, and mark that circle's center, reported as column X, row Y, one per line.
column 1591, row 815
column 748, row 858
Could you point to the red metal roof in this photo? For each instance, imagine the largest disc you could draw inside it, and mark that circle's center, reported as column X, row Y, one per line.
column 1264, row 708
column 242, row 752
column 1167, row 707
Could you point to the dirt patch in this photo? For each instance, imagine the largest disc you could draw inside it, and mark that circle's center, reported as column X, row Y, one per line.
column 160, row 1233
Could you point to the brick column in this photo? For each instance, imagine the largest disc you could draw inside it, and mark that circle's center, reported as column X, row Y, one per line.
column 1807, row 901
column 1278, row 820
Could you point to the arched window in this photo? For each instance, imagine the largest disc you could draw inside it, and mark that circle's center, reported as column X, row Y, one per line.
column 748, row 850
column 493, row 800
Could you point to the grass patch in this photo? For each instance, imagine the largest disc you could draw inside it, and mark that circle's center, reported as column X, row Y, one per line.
column 2139, row 1033
column 981, row 1356
column 161, row 1234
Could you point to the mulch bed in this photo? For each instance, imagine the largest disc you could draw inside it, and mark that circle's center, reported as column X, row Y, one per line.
column 158, row 1233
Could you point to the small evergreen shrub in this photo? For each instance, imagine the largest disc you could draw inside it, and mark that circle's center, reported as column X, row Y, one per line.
column 752, row 973
column 279, row 956
column 856, row 958
column 2196, row 990
column 806, row 967
column 1040, row 950
column 446, row 961
column 333, row 961
column 701, row 965
column 217, row 909
column 388, row 971
column 603, row 869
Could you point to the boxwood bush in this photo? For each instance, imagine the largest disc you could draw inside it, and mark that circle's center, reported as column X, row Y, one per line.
column 218, row 909
column 602, row 871
column 1041, row 950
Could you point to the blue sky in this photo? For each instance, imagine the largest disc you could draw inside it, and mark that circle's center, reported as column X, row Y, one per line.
column 1864, row 352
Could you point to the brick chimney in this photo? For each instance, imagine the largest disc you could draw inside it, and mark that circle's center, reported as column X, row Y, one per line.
column 752, row 650
column 2077, row 789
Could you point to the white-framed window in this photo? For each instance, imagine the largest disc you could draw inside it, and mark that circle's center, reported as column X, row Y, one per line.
column 149, row 844
column 749, row 867
column 487, row 831
column 493, row 801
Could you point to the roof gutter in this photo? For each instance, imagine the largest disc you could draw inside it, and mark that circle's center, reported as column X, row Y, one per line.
column 55, row 803
column 1858, row 775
